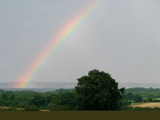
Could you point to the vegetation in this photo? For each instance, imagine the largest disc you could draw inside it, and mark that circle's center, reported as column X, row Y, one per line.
column 95, row 91
column 98, row 91
column 147, row 94
column 34, row 101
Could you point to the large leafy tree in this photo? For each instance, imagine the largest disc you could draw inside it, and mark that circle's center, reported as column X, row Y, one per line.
column 98, row 91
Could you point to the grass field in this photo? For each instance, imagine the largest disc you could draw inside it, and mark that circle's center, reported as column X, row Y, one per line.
column 149, row 104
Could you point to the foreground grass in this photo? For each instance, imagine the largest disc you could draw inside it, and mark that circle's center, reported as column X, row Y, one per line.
column 149, row 106
column 4, row 108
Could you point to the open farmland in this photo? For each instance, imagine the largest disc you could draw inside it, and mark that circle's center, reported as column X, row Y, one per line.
column 144, row 105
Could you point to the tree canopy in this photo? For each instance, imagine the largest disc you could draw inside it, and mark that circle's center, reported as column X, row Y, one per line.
column 98, row 91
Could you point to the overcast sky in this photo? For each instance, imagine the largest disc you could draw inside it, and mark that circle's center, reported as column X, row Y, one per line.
column 122, row 37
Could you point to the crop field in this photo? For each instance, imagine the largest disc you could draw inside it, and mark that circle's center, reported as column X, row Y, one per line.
column 149, row 104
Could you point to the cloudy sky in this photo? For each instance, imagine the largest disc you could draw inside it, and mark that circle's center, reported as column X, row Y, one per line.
column 121, row 37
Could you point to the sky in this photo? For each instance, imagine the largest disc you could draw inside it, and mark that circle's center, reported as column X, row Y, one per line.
column 120, row 37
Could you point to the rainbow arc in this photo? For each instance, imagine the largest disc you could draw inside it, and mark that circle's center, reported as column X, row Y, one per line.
column 64, row 34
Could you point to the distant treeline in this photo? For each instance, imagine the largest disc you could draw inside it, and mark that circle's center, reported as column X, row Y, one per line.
column 66, row 99
column 32, row 101
column 140, row 89
column 147, row 93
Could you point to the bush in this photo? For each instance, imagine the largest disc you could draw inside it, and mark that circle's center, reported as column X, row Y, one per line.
column 31, row 108
column 52, row 106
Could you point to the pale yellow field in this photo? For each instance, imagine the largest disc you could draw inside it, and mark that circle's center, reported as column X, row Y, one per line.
column 150, row 105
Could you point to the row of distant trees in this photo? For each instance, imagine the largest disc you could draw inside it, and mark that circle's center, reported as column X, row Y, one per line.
column 134, row 97
column 30, row 100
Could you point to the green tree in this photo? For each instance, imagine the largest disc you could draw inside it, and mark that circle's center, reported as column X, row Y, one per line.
column 38, row 101
column 130, row 96
column 68, row 98
column 4, row 96
column 150, row 100
column 98, row 91
column 138, row 98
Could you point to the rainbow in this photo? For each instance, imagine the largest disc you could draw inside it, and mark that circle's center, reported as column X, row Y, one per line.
column 64, row 34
